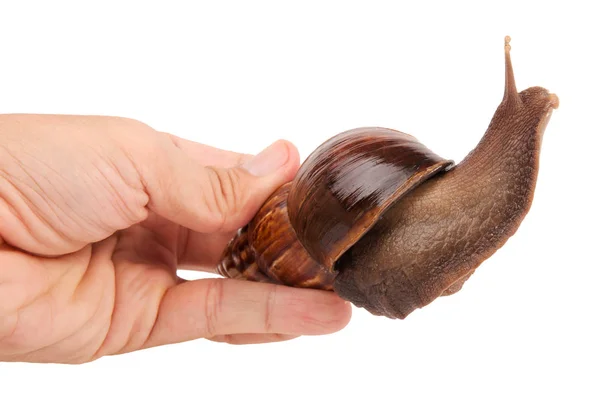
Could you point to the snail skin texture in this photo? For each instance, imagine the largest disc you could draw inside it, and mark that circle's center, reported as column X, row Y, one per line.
column 387, row 224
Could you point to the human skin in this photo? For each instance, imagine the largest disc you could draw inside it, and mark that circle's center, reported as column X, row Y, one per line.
column 97, row 214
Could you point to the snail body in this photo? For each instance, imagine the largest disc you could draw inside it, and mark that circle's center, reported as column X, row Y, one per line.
column 387, row 224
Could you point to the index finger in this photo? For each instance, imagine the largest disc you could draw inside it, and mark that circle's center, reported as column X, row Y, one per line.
column 214, row 307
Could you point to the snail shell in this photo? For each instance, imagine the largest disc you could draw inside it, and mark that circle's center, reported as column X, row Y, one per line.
column 380, row 219
column 338, row 194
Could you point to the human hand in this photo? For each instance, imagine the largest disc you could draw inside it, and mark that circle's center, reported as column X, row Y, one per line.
column 96, row 216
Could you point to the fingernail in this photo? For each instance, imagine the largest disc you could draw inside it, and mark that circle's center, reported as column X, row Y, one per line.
column 268, row 161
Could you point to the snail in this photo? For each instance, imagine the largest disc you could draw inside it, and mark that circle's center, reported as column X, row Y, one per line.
column 390, row 226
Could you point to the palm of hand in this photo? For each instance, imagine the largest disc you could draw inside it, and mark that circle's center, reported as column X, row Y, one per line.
column 102, row 299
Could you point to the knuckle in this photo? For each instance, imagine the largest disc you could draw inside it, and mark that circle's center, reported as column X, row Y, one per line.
column 225, row 194
column 213, row 307
column 124, row 125
column 131, row 134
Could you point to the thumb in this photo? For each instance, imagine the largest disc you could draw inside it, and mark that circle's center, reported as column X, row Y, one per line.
column 211, row 199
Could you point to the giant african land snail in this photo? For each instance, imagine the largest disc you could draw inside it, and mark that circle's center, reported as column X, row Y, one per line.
column 387, row 224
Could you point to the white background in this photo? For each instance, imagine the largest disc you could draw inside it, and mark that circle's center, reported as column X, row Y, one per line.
column 239, row 75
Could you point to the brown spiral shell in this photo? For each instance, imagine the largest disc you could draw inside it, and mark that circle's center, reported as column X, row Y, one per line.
column 339, row 192
column 268, row 250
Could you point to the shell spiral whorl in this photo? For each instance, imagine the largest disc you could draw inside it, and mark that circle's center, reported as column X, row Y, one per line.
column 339, row 192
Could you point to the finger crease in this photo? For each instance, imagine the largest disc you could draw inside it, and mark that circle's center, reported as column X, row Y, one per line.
column 212, row 306
column 269, row 307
